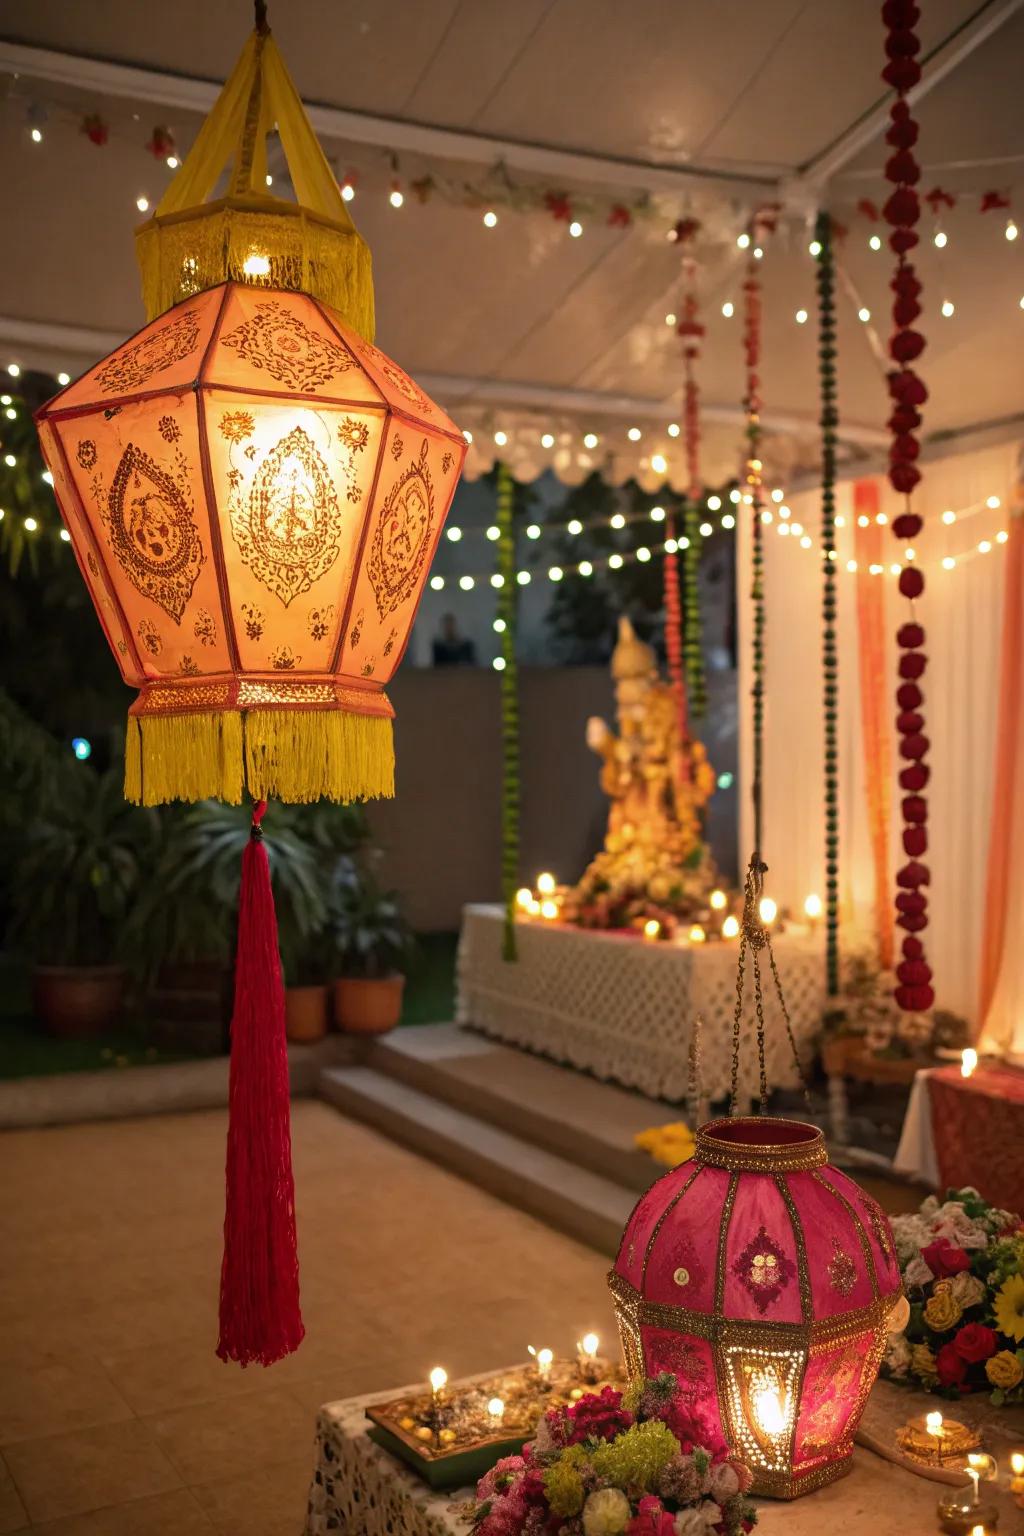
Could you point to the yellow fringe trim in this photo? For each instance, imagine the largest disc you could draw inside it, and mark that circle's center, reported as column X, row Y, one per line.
column 294, row 755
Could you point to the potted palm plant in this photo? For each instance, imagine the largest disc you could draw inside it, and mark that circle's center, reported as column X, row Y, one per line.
column 82, row 860
column 373, row 944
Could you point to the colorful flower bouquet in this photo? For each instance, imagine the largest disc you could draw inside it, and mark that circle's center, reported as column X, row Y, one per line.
column 963, row 1273
column 643, row 1463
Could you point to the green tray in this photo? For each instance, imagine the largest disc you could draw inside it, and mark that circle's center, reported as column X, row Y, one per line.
column 442, row 1469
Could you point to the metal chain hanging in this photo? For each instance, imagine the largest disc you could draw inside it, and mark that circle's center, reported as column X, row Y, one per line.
column 507, row 592
column 754, row 935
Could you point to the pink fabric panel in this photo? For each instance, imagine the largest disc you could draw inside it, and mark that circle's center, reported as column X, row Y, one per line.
column 839, row 1277
column 644, row 1218
column 828, row 1399
column 692, row 1364
column 688, row 1241
column 761, row 1275
column 876, row 1225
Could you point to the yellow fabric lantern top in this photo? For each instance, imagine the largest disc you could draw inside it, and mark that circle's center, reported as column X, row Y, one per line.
column 253, row 491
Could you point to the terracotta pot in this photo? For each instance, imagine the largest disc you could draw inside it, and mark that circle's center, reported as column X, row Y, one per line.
column 72, row 1001
column 364, row 1006
column 305, row 1013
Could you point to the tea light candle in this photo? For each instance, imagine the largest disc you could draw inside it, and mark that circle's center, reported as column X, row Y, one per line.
column 813, row 908
column 697, row 934
column 718, row 900
column 730, row 928
column 587, row 1346
column 544, row 1358
column 652, row 928
column 438, row 1381
column 1017, row 1477
column 524, row 898
column 968, row 1061
column 767, row 911
column 933, row 1424
column 496, row 1410
column 546, row 884
column 549, row 909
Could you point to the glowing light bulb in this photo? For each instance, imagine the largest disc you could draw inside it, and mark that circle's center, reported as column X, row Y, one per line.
column 657, row 514
column 437, row 583
column 467, row 435
column 575, row 229
column 546, row 883
column 670, row 319
column 730, row 928
column 63, row 379
column 466, row 583
column 11, row 413
column 142, row 203
column 395, row 197
column 767, row 910
column 643, row 554
column 714, row 502
column 555, row 573
column 706, row 530
column 875, row 242
column 585, row 568
column 523, row 897
column 757, row 253
column 851, row 566
column 718, row 900
column 948, row 308
column 14, row 369
column 574, row 527
column 1002, row 536
column 805, row 542
column 46, row 477
column 617, row 520
column 984, row 547
column 777, row 495
column 652, row 928
column 993, row 502
column 256, row 265
column 499, row 626
column 498, row 663
column 743, row 241
column 864, row 314
column 734, row 496
column 673, row 429
column 615, row 562
column 547, row 440
column 438, row 1379
column 269, row 179
column 496, row 1408
column 659, row 463
column 697, row 934
column 768, row 1410
column 455, row 534
column 729, row 309
column 590, row 440
column 1011, row 230
column 894, row 569
column 494, row 533
column 348, row 191
column 801, row 317
column 500, row 438
column 968, row 1061
column 36, row 135
column 533, row 531
column 948, row 563
column 728, row 521
column 634, row 434
column 65, row 536
column 81, row 747
column 815, row 247
column 523, row 578
column 30, row 525
column 497, row 580
column 490, row 219
column 10, row 460
column 940, row 239
column 813, row 907
column 766, row 517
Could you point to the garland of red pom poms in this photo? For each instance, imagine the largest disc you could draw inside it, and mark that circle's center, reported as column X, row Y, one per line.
column 902, row 211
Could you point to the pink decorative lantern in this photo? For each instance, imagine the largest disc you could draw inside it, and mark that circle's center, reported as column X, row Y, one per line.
column 765, row 1280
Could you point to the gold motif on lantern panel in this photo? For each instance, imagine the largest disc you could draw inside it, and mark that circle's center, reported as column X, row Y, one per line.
column 289, row 528
column 402, row 537
column 152, row 531
column 275, row 339
column 396, row 378
column 157, row 351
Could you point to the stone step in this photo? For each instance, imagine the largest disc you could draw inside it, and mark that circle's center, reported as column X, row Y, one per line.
column 582, row 1204
column 586, row 1122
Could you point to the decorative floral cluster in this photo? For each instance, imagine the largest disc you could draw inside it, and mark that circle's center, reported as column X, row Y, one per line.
column 639, row 1464
column 963, row 1272
column 902, row 211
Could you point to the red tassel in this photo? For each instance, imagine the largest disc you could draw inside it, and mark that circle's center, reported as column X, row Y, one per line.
column 259, row 1284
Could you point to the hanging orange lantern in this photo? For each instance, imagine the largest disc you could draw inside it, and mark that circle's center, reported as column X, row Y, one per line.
column 254, row 494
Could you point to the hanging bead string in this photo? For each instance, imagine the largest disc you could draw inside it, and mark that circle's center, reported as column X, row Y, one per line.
column 830, row 668
column 509, row 708
column 754, row 489
column 754, row 936
column 692, row 332
column 902, row 211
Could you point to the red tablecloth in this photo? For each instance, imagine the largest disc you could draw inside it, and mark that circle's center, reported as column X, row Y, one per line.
column 978, row 1127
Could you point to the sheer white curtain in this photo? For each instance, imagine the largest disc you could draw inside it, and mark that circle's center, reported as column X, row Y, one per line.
column 961, row 611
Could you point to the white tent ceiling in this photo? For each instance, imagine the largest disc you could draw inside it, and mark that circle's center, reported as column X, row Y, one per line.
column 710, row 106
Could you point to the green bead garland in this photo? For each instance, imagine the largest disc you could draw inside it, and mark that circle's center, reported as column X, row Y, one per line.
column 507, row 594
column 830, row 665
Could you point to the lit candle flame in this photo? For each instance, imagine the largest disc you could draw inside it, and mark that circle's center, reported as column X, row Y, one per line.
column 588, row 1345
column 768, row 910
column 813, row 907
column 1017, row 1463
column 697, row 934
column 546, row 884
column 968, row 1061
column 718, row 900
column 496, row 1408
column 438, row 1379
column 730, row 928
column 549, row 909
column 652, row 928
column 933, row 1422
column 769, row 1411
column 524, row 898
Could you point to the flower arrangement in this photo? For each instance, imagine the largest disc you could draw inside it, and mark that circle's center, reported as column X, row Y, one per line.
column 865, row 1011
column 963, row 1272
column 643, row 1463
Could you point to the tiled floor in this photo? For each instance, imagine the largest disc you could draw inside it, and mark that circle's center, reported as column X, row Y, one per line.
column 116, row 1417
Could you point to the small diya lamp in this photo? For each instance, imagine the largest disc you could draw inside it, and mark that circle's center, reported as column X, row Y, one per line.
column 936, row 1441
column 1017, row 1477
column 590, row 1367
column 963, row 1511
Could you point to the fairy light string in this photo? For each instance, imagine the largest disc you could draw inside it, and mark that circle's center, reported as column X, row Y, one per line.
column 509, row 706
column 830, row 668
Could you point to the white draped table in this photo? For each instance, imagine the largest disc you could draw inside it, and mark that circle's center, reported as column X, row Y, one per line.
column 624, row 1009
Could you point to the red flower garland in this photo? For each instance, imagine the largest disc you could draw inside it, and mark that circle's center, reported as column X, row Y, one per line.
column 902, row 212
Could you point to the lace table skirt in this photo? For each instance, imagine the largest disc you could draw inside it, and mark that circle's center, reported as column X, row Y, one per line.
column 624, row 1009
